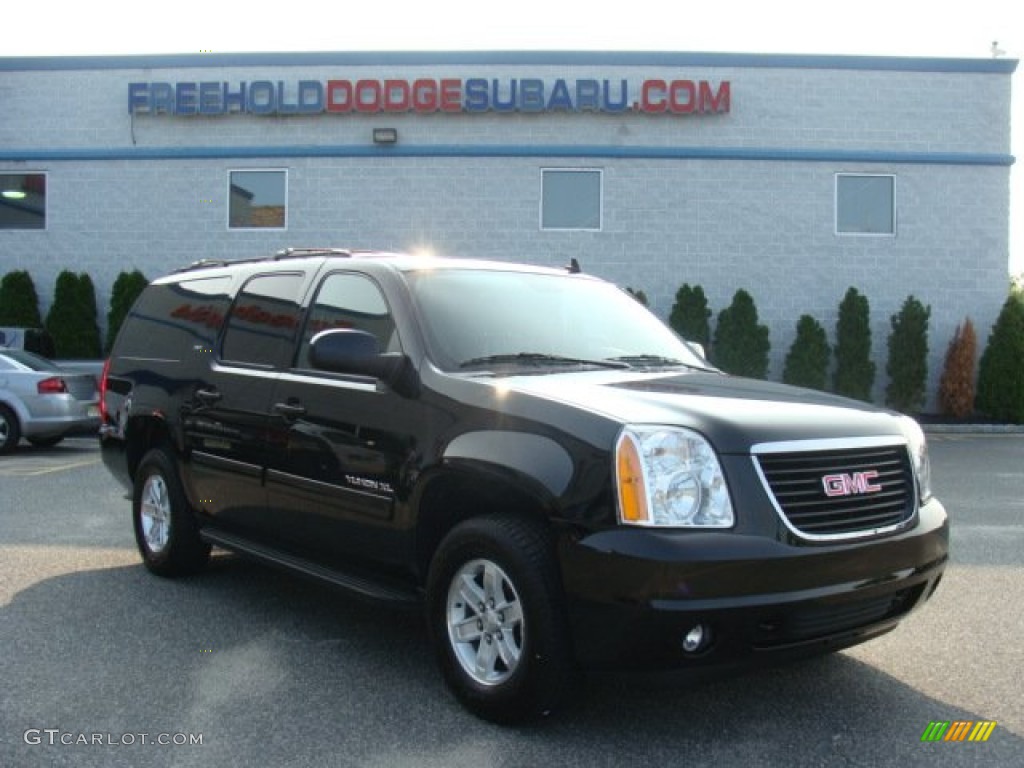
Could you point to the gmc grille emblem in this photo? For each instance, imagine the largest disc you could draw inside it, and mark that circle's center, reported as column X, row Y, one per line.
column 850, row 485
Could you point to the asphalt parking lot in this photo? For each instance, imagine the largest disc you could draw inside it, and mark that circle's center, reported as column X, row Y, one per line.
column 269, row 669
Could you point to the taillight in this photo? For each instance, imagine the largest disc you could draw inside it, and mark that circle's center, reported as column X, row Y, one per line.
column 103, row 391
column 52, row 386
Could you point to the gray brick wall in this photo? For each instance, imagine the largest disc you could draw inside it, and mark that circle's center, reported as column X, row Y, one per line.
column 767, row 226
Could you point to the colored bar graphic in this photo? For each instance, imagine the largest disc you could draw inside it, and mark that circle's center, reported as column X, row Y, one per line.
column 958, row 730
column 982, row 730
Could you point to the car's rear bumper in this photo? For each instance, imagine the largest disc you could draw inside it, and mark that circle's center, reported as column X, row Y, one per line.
column 114, row 456
column 61, row 415
column 634, row 594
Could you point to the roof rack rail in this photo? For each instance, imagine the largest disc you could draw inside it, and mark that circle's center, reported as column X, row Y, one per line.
column 296, row 253
column 204, row 264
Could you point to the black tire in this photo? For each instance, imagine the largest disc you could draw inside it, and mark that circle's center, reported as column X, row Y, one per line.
column 45, row 442
column 519, row 556
column 10, row 430
column 165, row 526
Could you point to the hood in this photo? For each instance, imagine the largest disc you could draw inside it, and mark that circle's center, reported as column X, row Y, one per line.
column 734, row 413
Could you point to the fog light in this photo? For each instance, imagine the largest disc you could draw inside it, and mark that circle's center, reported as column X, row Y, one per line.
column 696, row 639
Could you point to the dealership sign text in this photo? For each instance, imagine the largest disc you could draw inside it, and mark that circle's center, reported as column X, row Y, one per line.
column 425, row 95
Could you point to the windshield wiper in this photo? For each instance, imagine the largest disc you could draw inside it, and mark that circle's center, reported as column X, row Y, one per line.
column 538, row 358
column 654, row 360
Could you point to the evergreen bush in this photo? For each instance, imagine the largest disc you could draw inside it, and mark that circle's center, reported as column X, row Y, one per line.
column 126, row 290
column 808, row 358
column 855, row 371
column 690, row 315
column 907, row 364
column 72, row 317
column 956, row 386
column 639, row 295
column 741, row 345
column 19, row 303
column 1001, row 372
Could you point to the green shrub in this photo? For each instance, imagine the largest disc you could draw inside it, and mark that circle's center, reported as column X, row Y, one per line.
column 19, row 303
column 855, row 371
column 1001, row 372
column 126, row 290
column 741, row 345
column 639, row 295
column 956, row 387
column 907, row 365
column 808, row 358
column 72, row 317
column 690, row 315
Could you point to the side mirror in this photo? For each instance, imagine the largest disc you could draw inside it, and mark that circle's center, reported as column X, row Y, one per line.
column 358, row 353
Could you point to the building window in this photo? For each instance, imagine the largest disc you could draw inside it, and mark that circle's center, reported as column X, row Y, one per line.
column 22, row 201
column 257, row 199
column 570, row 198
column 865, row 205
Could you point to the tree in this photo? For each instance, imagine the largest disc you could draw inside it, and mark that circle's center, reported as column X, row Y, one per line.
column 638, row 294
column 855, row 371
column 19, row 303
column 126, row 290
column 72, row 317
column 1001, row 372
column 907, row 365
column 956, row 386
column 690, row 315
column 741, row 345
column 808, row 358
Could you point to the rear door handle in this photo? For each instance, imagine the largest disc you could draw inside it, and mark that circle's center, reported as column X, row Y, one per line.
column 208, row 396
column 290, row 410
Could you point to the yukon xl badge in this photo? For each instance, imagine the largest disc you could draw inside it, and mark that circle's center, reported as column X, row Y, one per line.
column 850, row 485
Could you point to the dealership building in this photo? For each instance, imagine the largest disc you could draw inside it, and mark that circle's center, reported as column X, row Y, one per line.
column 794, row 177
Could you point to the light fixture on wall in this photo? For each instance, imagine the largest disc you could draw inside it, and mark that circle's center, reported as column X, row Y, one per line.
column 385, row 135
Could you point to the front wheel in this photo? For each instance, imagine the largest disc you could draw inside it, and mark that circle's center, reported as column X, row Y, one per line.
column 497, row 618
column 165, row 527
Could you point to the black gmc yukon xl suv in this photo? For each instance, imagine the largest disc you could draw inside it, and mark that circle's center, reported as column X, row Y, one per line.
column 554, row 474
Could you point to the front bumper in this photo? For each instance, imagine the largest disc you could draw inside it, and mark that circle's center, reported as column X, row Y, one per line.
column 633, row 594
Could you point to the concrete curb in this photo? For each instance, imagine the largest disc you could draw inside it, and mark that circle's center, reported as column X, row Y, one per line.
column 973, row 429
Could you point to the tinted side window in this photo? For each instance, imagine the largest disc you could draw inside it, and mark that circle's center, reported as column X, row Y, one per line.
column 172, row 320
column 262, row 324
column 346, row 300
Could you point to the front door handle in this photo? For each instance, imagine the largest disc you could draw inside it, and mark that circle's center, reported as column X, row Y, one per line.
column 290, row 410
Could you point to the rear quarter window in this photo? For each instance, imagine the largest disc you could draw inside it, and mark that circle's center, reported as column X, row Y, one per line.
column 172, row 320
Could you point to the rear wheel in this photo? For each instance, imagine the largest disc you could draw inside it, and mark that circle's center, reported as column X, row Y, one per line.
column 165, row 526
column 10, row 430
column 497, row 618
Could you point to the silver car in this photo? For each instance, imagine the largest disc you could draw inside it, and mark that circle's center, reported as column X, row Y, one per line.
column 42, row 402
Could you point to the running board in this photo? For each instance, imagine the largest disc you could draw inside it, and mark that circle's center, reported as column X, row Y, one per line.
column 363, row 585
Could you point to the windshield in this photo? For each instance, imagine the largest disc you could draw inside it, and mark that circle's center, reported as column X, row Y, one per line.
column 477, row 319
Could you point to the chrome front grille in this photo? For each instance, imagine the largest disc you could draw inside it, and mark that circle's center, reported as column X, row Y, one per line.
column 828, row 490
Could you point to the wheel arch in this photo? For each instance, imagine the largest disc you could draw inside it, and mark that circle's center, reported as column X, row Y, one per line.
column 144, row 433
column 473, row 489
column 17, row 407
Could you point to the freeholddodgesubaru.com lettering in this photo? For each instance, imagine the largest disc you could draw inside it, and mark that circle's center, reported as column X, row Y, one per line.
column 527, row 454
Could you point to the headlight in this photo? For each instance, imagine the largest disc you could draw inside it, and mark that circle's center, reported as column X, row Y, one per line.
column 919, row 455
column 669, row 476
